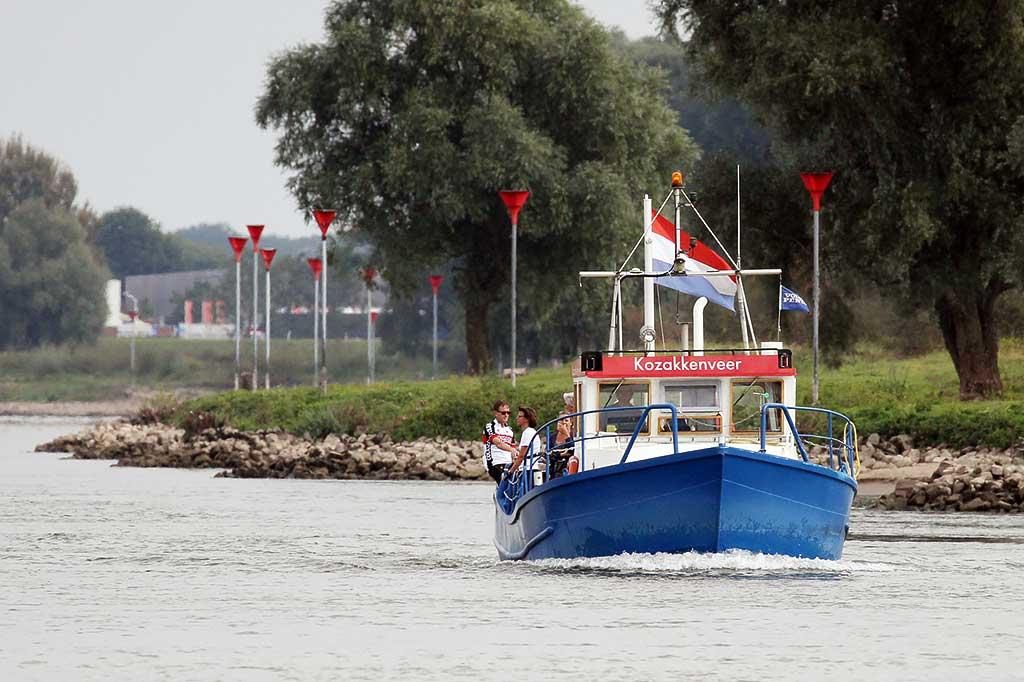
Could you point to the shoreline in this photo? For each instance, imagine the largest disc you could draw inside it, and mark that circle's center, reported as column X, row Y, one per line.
column 895, row 475
column 125, row 407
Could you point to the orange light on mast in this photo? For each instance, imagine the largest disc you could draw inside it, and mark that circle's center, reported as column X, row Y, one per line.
column 677, row 179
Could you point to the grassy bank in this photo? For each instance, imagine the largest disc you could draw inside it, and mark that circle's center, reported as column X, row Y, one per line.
column 101, row 371
column 885, row 395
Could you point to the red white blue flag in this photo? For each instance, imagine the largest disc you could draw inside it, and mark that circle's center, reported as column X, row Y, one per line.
column 719, row 289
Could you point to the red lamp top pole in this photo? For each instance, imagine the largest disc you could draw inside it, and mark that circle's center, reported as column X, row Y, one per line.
column 435, row 282
column 514, row 200
column 324, row 218
column 369, row 272
column 254, row 233
column 315, row 266
column 268, row 256
column 237, row 245
column 816, row 184
column 373, row 316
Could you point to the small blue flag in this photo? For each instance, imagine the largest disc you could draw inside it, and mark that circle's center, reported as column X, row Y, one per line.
column 790, row 300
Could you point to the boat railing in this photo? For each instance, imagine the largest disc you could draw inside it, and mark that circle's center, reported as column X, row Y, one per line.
column 540, row 450
column 843, row 453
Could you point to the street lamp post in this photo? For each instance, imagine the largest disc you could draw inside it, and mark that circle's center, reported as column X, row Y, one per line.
column 373, row 353
column 237, row 246
column 133, row 312
column 369, row 272
column 323, row 218
column 435, row 286
column 316, row 267
column 268, row 258
column 254, row 233
column 816, row 184
column 514, row 200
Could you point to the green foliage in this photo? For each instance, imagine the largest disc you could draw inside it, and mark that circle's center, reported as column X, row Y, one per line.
column 883, row 395
column 51, row 286
column 214, row 238
column 134, row 245
column 27, row 173
column 918, row 108
column 413, row 113
column 452, row 408
column 100, row 370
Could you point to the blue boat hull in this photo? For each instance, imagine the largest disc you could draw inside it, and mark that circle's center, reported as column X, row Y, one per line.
column 707, row 500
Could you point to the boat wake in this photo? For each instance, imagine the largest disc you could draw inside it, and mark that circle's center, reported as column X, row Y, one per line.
column 738, row 562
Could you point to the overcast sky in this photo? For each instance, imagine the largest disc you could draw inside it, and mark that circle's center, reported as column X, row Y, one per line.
column 150, row 104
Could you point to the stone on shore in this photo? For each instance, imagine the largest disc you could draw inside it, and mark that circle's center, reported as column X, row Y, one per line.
column 903, row 475
column 274, row 454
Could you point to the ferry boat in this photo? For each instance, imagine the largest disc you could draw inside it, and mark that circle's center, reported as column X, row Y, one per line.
column 690, row 449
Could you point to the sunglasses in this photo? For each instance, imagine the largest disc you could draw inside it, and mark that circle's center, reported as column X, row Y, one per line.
column 503, row 412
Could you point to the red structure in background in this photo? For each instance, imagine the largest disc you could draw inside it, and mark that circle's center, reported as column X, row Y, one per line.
column 188, row 312
column 207, row 312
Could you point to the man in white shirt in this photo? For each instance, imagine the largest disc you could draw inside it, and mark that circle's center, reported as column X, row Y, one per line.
column 499, row 441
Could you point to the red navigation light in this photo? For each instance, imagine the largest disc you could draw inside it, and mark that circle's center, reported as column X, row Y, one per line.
column 435, row 282
column 268, row 256
column 254, row 233
column 315, row 266
column 323, row 218
column 373, row 316
column 369, row 272
column 237, row 245
column 514, row 200
column 816, row 184
column 131, row 315
column 677, row 178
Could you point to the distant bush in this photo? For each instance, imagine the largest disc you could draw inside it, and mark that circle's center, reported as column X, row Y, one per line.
column 452, row 408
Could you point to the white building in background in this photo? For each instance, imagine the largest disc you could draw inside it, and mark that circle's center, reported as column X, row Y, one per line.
column 113, row 297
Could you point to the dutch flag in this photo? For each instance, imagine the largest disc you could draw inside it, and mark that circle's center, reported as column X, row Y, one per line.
column 719, row 290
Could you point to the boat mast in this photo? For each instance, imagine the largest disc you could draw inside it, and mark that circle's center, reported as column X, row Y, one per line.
column 648, row 332
column 741, row 298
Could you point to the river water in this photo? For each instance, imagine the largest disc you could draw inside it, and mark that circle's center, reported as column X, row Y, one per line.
column 121, row 573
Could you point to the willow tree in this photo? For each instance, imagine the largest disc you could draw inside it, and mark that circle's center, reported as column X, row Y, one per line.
column 51, row 281
column 919, row 107
column 412, row 114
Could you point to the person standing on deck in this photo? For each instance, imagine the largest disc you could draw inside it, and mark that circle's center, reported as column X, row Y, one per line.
column 526, row 419
column 499, row 441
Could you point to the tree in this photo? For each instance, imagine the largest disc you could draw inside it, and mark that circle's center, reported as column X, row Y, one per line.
column 413, row 113
column 51, row 285
column 133, row 244
column 28, row 173
column 920, row 108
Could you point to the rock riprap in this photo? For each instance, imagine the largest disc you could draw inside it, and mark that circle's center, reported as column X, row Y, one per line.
column 274, row 454
column 925, row 478
column 940, row 478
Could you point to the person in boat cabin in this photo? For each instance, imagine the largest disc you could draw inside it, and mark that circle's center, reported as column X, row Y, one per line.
column 499, row 441
column 526, row 419
column 561, row 447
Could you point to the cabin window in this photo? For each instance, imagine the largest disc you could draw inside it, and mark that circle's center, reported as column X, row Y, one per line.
column 691, row 423
column 623, row 394
column 693, row 396
column 747, row 398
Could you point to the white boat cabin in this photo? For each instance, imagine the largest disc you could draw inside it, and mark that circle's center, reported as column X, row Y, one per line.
column 718, row 397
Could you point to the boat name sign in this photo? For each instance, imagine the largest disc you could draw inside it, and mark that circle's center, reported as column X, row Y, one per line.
column 707, row 366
